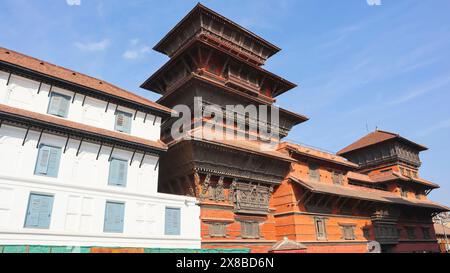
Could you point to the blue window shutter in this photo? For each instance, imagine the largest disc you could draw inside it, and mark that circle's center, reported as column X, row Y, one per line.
column 59, row 105
column 123, row 122
column 118, row 170
column 42, row 160
column 48, row 161
column 39, row 211
column 114, row 217
column 127, row 126
column 172, row 221
column 53, row 162
column 63, row 108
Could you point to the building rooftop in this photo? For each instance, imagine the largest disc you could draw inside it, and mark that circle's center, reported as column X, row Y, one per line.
column 96, row 85
column 376, row 137
column 316, row 153
column 198, row 11
column 365, row 194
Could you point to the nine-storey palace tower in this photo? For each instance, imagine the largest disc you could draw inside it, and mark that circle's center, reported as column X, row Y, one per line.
column 214, row 58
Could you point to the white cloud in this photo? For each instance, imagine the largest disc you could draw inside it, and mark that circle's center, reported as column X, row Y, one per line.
column 435, row 85
column 137, row 50
column 94, row 46
column 73, row 2
column 374, row 2
column 444, row 124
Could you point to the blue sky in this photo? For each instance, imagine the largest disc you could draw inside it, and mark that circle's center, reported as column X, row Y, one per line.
column 358, row 66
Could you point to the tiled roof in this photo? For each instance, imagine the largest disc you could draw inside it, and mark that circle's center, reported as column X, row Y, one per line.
column 199, row 7
column 255, row 147
column 377, row 137
column 39, row 66
column 310, row 152
column 365, row 194
column 81, row 127
column 359, row 177
column 393, row 175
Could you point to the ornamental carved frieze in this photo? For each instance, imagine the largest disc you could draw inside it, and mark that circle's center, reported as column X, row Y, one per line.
column 250, row 197
column 213, row 191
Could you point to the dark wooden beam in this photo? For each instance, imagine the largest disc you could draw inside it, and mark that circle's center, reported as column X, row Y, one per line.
column 343, row 203
column 145, row 117
column 328, row 201
column 308, row 199
column 142, row 160
column 99, row 150
column 224, row 67
column 135, row 115
column 39, row 88
column 39, row 139
column 65, row 145
column 186, row 65
column 193, row 60
column 132, row 157
column 9, row 79
column 74, row 96
column 84, row 100
column 336, row 202
column 157, row 164
column 107, row 106
column 79, row 146
column 50, row 90
column 319, row 200
column 26, row 135
column 207, row 58
column 110, row 154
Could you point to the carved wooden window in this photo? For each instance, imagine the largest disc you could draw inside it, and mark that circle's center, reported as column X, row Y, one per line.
column 426, row 233
column 314, row 172
column 348, row 232
column 321, row 233
column 404, row 192
column 403, row 171
column 366, row 233
column 408, row 173
column 410, row 231
column 249, row 230
column 418, row 193
column 218, row 229
column 338, row 178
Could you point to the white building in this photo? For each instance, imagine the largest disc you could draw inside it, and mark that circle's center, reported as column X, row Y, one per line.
column 79, row 163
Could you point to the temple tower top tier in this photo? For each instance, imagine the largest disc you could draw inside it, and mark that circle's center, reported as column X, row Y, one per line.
column 212, row 28
column 381, row 147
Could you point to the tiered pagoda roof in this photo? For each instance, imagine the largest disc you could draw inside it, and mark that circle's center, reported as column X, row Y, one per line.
column 205, row 24
column 377, row 137
column 364, row 194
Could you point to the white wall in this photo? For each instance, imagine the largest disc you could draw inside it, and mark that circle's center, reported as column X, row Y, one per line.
column 80, row 192
column 22, row 93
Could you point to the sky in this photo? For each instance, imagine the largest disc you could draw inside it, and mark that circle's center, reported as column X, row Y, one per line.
column 359, row 64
